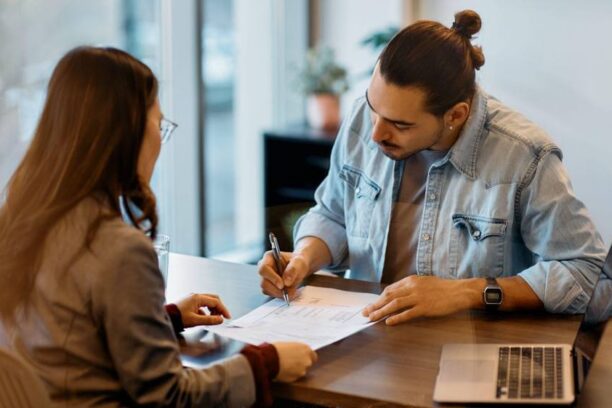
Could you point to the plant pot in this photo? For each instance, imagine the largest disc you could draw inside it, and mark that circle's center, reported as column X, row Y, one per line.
column 323, row 111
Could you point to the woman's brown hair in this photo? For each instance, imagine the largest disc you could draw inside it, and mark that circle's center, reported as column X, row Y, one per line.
column 439, row 60
column 86, row 144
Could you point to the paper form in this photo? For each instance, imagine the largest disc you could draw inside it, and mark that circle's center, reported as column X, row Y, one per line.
column 317, row 317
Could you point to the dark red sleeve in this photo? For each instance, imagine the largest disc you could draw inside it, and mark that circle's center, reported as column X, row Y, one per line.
column 270, row 356
column 265, row 365
column 175, row 317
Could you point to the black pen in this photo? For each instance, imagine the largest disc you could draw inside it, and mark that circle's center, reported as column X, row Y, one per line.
column 279, row 264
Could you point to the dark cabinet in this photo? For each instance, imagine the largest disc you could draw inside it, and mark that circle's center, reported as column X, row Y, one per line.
column 296, row 161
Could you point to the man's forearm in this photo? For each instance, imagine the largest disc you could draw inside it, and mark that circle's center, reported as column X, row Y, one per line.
column 518, row 295
column 315, row 253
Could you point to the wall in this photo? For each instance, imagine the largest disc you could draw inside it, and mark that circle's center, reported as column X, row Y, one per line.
column 343, row 24
column 552, row 60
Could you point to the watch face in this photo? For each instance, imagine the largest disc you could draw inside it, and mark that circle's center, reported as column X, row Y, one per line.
column 493, row 296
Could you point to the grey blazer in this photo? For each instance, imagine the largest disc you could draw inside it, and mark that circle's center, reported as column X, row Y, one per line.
column 97, row 332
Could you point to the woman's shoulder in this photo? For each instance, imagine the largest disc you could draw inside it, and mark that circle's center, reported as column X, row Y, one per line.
column 93, row 226
column 116, row 236
column 92, row 251
column 120, row 257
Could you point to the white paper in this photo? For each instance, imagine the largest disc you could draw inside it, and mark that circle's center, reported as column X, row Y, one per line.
column 317, row 317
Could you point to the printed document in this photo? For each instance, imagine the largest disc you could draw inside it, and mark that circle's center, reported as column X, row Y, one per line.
column 317, row 317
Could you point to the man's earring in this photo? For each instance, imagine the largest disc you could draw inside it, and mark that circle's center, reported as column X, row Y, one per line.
column 450, row 128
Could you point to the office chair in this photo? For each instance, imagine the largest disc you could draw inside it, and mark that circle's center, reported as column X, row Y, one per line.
column 19, row 385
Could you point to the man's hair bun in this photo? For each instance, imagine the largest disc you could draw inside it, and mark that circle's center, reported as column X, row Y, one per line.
column 467, row 23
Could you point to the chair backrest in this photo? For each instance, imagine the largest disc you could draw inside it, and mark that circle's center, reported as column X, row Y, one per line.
column 607, row 268
column 19, row 384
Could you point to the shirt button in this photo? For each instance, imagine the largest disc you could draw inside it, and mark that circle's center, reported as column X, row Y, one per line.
column 358, row 190
column 432, row 196
column 426, row 237
column 476, row 234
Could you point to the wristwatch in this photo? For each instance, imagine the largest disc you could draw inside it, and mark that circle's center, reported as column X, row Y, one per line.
column 492, row 295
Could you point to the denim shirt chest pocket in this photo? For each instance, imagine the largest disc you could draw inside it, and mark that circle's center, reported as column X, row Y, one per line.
column 477, row 246
column 361, row 194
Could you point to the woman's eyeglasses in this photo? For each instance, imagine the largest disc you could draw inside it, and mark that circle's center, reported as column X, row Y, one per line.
column 166, row 127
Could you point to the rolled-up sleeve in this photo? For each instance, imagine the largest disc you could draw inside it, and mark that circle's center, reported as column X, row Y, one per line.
column 558, row 230
column 326, row 220
column 316, row 224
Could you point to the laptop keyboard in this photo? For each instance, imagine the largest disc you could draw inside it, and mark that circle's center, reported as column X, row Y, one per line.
column 530, row 373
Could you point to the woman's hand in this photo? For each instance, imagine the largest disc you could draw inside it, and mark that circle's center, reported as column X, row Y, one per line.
column 202, row 309
column 294, row 360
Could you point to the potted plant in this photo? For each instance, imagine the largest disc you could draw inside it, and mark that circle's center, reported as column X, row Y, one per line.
column 323, row 81
column 378, row 40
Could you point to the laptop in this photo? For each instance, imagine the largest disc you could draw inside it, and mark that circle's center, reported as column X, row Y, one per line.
column 512, row 373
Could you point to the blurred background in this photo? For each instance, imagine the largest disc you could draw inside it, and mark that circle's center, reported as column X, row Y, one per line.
column 258, row 86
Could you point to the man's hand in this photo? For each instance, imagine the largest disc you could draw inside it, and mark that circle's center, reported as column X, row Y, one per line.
column 296, row 269
column 417, row 296
column 310, row 255
column 194, row 310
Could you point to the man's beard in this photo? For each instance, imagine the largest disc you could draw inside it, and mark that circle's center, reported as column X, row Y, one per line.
column 401, row 157
column 406, row 155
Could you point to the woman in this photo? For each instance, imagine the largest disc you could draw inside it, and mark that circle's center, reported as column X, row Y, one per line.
column 82, row 295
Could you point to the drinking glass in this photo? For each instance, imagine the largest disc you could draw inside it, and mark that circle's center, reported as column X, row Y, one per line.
column 162, row 248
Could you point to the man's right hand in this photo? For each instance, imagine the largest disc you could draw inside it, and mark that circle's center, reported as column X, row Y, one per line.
column 296, row 269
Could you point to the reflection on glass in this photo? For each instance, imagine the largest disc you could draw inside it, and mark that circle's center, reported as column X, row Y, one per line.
column 218, row 77
column 29, row 55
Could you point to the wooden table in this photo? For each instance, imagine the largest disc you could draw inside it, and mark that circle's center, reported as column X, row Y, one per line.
column 597, row 388
column 381, row 366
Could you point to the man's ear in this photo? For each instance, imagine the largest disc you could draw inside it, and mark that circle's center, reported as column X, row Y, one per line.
column 457, row 115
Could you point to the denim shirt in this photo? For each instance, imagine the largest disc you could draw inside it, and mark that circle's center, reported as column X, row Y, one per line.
column 500, row 203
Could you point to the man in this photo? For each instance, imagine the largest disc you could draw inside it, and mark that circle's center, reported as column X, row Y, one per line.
column 445, row 193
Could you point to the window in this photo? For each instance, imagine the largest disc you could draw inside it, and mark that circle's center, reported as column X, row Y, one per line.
column 29, row 55
column 210, row 201
column 250, row 51
column 218, row 56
